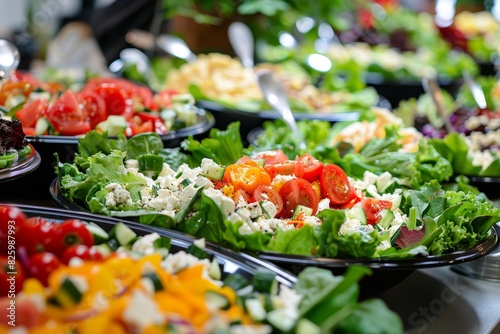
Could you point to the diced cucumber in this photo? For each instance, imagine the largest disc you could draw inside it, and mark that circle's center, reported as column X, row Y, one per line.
column 113, row 125
column 260, row 162
column 212, row 170
column 100, row 236
column 155, row 279
column 183, row 99
column 68, row 293
column 162, row 243
column 383, row 182
column 264, row 281
column 386, row 218
column 280, row 320
column 255, row 309
column 198, row 252
column 267, row 302
column 214, row 270
column 123, row 234
column 356, row 212
column 217, row 300
column 307, row 326
column 302, row 209
column 395, row 236
column 42, row 126
column 236, row 281
column 186, row 114
column 103, row 249
column 113, row 244
column 13, row 100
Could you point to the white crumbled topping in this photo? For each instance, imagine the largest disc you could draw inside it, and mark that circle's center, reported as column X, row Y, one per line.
column 200, row 243
column 174, row 263
column 145, row 245
column 419, row 250
column 142, row 311
column 269, row 208
column 250, row 329
column 383, row 245
column 324, row 204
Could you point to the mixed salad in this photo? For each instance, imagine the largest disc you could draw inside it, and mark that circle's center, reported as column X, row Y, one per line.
column 13, row 145
column 114, row 105
column 220, row 78
column 73, row 276
column 474, row 145
column 379, row 203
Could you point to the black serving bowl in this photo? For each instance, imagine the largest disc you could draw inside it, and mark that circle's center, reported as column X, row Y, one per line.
column 250, row 120
column 35, row 186
column 386, row 272
column 397, row 91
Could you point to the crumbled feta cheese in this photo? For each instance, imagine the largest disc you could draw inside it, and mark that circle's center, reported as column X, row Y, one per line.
column 200, row 243
column 269, row 208
column 142, row 311
column 145, row 245
column 174, row 263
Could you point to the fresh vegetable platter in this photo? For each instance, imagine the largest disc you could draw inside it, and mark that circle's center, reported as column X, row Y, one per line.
column 94, row 274
column 270, row 202
column 115, row 105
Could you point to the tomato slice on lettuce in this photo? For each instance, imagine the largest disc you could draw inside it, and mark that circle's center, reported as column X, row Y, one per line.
column 288, row 167
column 373, row 207
column 335, row 184
column 263, row 193
column 298, row 192
column 271, row 157
column 312, row 167
column 67, row 116
column 32, row 111
column 118, row 101
column 93, row 107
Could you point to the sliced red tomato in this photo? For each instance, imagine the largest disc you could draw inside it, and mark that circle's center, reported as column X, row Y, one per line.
column 144, row 96
column 12, row 220
column 82, row 252
column 312, row 167
column 118, row 100
column 353, row 199
column 41, row 265
column 373, row 207
column 298, row 192
column 263, row 193
column 271, row 157
column 335, row 184
column 67, row 117
column 158, row 125
column 288, row 167
column 93, row 107
column 9, row 266
column 241, row 193
column 164, row 98
column 32, row 111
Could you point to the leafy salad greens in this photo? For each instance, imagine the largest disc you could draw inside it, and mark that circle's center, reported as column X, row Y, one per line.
column 439, row 221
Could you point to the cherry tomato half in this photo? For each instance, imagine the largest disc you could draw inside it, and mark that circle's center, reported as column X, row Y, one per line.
column 82, row 252
column 335, row 184
column 11, row 275
column 41, row 265
column 373, row 208
column 298, row 192
column 93, row 107
column 288, row 167
column 271, row 157
column 32, row 111
column 312, row 167
column 67, row 116
column 12, row 221
column 268, row 193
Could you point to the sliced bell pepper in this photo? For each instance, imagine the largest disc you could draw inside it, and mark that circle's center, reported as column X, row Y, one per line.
column 246, row 176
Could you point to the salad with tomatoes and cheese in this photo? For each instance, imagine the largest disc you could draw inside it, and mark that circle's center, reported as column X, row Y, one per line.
column 268, row 201
column 114, row 105
column 73, row 276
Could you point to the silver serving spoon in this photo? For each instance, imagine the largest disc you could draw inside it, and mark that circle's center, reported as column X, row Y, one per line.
column 476, row 90
column 276, row 96
column 9, row 59
column 241, row 39
column 431, row 87
column 176, row 47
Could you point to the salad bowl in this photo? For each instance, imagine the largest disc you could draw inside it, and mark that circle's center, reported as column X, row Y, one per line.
column 141, row 266
column 386, row 272
column 21, row 168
